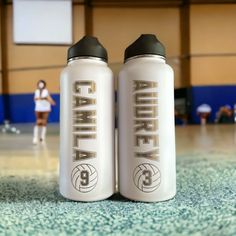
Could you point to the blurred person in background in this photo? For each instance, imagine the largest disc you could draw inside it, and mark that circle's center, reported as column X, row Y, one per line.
column 225, row 115
column 204, row 111
column 43, row 102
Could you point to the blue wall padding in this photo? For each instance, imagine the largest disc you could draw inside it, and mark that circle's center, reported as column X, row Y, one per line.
column 1, row 109
column 19, row 108
column 215, row 96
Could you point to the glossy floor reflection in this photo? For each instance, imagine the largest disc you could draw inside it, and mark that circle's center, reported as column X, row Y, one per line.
column 206, row 139
column 18, row 154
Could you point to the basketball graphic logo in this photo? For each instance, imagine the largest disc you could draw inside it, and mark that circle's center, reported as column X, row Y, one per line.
column 84, row 178
column 147, row 177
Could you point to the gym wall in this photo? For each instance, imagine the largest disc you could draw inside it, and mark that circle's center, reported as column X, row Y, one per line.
column 212, row 53
column 1, row 97
column 26, row 64
column 116, row 28
column 213, row 56
column 119, row 27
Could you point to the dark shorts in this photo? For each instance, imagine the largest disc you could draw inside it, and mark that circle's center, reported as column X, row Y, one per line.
column 42, row 115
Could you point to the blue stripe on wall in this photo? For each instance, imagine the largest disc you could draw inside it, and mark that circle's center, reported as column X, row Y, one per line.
column 20, row 108
column 215, row 96
column 1, row 109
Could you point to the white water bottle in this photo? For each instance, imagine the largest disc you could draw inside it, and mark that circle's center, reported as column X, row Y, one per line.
column 87, row 124
column 147, row 166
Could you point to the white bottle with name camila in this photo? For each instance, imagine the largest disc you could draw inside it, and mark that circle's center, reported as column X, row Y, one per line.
column 87, row 124
column 147, row 166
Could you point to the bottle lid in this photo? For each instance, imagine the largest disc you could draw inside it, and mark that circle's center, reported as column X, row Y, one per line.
column 88, row 46
column 145, row 44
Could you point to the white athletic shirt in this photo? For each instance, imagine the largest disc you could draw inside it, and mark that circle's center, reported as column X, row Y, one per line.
column 42, row 105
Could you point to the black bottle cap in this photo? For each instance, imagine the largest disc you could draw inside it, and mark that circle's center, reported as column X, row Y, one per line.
column 145, row 44
column 88, row 46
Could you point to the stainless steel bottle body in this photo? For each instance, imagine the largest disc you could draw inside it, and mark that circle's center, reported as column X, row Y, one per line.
column 87, row 130
column 146, row 129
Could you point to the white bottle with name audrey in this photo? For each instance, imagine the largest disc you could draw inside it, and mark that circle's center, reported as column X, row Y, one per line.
column 87, row 124
column 147, row 165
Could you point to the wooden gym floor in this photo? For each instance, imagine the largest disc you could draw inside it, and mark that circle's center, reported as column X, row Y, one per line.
column 19, row 156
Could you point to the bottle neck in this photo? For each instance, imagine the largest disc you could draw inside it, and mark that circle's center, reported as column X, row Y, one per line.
column 86, row 59
column 147, row 56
